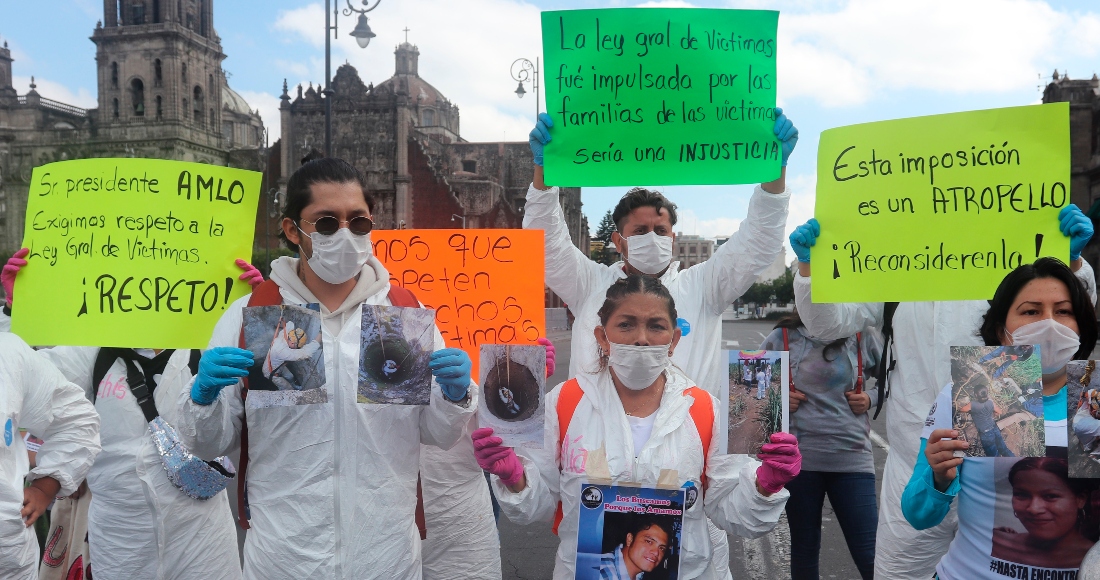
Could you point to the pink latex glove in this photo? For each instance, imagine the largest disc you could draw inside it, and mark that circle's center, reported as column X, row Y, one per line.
column 251, row 274
column 496, row 458
column 781, row 462
column 10, row 271
column 551, row 358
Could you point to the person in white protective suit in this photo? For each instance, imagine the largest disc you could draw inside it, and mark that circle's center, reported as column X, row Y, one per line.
column 923, row 334
column 140, row 525
column 1086, row 423
column 36, row 397
column 644, row 236
column 639, row 419
column 331, row 485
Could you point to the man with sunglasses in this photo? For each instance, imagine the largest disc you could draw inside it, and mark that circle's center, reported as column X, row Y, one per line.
column 332, row 485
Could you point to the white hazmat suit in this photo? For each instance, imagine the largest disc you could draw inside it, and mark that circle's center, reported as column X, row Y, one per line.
column 140, row 525
column 924, row 333
column 332, row 485
column 702, row 293
column 601, row 447
column 36, row 397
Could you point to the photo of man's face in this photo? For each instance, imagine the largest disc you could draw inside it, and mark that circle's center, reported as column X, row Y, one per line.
column 646, row 550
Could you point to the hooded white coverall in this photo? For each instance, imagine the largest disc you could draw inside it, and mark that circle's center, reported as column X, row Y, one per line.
column 140, row 525
column 702, row 293
column 924, row 333
column 331, row 486
column 36, row 397
column 600, row 446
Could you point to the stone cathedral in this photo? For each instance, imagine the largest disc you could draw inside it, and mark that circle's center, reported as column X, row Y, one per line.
column 161, row 94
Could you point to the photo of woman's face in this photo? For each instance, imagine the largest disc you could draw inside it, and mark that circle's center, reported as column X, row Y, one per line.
column 1044, row 504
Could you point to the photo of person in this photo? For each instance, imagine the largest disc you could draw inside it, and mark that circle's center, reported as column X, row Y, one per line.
column 757, row 403
column 288, row 367
column 997, row 400
column 512, row 380
column 629, row 533
column 396, row 344
column 1083, row 419
column 1043, row 518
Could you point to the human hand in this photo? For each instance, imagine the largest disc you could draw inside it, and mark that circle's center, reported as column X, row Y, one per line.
column 451, row 369
column 803, row 238
column 795, row 397
column 540, row 136
column 219, row 367
column 497, row 459
column 10, row 271
column 1076, row 226
column 858, row 402
column 780, row 462
column 940, row 453
column 251, row 275
column 37, row 497
column 786, row 132
column 551, row 356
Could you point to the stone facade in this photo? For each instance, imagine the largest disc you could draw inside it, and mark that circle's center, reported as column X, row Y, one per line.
column 161, row 92
column 692, row 250
column 1084, row 134
column 404, row 135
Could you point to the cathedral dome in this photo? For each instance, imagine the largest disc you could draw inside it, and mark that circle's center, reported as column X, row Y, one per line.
column 233, row 101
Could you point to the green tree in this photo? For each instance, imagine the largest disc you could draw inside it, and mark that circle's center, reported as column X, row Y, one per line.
column 603, row 234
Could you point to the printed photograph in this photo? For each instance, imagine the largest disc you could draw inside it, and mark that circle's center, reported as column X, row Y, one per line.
column 758, row 404
column 289, row 363
column 512, row 379
column 997, row 400
column 1040, row 506
column 397, row 345
column 1083, row 419
column 629, row 532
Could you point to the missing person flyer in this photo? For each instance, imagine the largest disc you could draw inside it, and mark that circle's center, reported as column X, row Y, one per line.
column 630, row 532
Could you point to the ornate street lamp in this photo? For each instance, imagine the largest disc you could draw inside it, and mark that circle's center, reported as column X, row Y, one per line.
column 524, row 71
column 362, row 34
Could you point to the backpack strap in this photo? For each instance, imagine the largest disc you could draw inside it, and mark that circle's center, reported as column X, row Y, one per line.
column 568, row 399
column 859, row 365
column 882, row 371
column 265, row 294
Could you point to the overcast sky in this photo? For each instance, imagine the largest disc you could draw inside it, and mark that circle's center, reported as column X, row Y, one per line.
column 840, row 62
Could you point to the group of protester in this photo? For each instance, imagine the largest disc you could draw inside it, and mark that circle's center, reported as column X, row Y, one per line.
column 342, row 489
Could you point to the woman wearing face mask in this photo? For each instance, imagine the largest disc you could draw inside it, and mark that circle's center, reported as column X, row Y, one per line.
column 331, row 484
column 634, row 419
column 1037, row 304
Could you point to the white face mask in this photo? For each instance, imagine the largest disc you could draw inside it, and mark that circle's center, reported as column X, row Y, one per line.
column 339, row 257
column 1057, row 342
column 649, row 253
column 637, row 367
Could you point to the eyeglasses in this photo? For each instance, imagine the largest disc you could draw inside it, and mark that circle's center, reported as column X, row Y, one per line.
column 328, row 225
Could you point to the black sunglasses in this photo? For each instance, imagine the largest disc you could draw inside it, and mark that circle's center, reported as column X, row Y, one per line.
column 328, row 225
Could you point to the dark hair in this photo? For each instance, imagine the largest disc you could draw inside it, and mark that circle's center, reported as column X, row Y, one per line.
column 639, row 524
column 634, row 284
column 793, row 321
column 323, row 170
column 642, row 197
column 1052, row 465
column 994, row 323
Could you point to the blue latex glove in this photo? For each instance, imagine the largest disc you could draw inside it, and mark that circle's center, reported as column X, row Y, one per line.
column 540, row 136
column 451, row 369
column 1076, row 226
column 803, row 238
column 219, row 367
column 786, row 132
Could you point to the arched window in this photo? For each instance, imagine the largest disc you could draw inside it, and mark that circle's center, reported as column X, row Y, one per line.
column 160, row 108
column 429, row 117
column 213, row 122
column 137, row 13
column 137, row 97
column 114, row 75
column 196, row 112
column 183, row 114
column 183, row 73
column 114, row 108
column 158, row 76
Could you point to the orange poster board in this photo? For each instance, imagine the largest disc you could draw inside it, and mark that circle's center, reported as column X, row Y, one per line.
column 486, row 286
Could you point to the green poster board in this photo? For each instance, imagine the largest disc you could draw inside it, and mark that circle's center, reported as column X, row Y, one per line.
column 660, row 96
column 132, row 252
column 940, row 207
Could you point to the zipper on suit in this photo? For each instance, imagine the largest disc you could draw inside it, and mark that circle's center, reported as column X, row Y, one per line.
column 337, row 409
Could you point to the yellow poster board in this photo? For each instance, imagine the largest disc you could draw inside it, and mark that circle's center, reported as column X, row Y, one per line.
column 132, row 253
column 939, row 207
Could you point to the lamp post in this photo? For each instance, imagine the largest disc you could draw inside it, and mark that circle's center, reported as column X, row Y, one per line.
column 272, row 201
column 523, row 71
column 455, row 216
column 362, row 34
